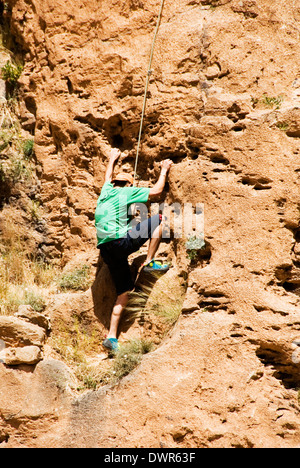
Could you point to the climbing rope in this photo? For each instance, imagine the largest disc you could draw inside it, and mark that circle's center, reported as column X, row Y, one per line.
column 146, row 87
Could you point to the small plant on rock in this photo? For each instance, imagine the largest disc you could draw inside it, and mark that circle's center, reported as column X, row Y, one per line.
column 272, row 101
column 10, row 74
column 284, row 126
column 265, row 101
column 28, row 149
column 193, row 245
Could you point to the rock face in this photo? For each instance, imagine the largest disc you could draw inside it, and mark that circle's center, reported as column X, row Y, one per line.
column 224, row 104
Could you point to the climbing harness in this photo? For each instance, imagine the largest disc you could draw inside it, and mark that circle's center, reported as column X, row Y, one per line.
column 146, row 87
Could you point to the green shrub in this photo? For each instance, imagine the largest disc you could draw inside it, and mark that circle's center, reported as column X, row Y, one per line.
column 127, row 358
column 6, row 138
column 16, row 152
column 28, row 149
column 35, row 300
column 34, row 211
column 77, row 279
column 14, row 170
column 11, row 73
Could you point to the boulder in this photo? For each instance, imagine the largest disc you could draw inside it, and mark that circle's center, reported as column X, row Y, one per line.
column 16, row 332
column 16, row 356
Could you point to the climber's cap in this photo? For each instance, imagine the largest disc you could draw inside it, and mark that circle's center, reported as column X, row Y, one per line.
column 123, row 177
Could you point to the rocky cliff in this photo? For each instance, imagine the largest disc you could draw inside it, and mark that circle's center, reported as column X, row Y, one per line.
column 224, row 105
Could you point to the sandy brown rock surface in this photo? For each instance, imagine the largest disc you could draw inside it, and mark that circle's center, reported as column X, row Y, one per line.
column 224, row 104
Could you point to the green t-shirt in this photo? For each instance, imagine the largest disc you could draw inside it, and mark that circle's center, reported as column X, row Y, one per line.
column 111, row 217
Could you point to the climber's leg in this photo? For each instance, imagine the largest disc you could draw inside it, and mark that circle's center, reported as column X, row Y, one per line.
column 154, row 243
column 114, row 256
column 119, row 306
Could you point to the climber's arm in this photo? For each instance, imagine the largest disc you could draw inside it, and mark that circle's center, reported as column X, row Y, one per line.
column 114, row 156
column 158, row 188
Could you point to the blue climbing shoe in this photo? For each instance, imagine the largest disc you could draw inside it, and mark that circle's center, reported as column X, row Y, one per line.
column 111, row 344
column 156, row 266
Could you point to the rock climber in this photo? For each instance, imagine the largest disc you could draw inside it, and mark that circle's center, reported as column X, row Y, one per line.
column 117, row 238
